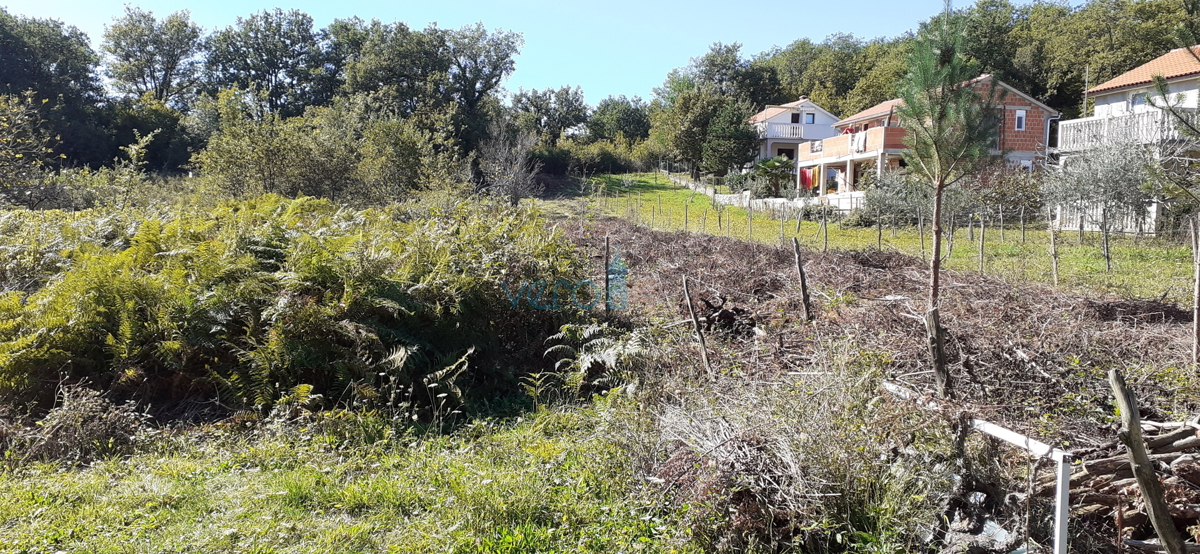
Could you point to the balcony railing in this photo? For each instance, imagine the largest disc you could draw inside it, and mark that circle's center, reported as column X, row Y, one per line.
column 779, row 130
column 1143, row 128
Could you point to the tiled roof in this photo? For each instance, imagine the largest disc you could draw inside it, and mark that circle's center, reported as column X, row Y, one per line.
column 776, row 110
column 1176, row 63
column 878, row 110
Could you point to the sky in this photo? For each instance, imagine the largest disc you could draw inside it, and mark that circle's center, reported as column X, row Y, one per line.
column 607, row 47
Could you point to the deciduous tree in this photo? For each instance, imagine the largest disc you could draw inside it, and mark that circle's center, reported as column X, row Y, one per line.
column 149, row 56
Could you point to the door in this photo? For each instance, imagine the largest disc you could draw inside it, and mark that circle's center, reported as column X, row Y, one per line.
column 790, row 153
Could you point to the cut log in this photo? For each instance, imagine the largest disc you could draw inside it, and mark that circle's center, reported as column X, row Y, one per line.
column 1179, row 445
column 1173, row 436
column 1143, row 467
column 1105, row 466
column 1147, row 546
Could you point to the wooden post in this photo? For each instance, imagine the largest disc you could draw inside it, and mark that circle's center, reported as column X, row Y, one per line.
column 1053, row 253
column 1001, row 210
column 937, row 351
column 921, row 232
column 799, row 218
column 1195, row 292
column 685, row 217
column 982, row 234
column 825, row 228
column 687, row 295
column 806, row 301
column 782, row 219
column 878, row 230
column 1143, row 468
column 1022, row 224
column 607, row 260
column 750, row 216
column 704, row 221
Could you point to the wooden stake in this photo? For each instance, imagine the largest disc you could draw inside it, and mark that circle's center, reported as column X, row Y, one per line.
column 825, row 229
column 1022, row 224
column 806, row 301
column 982, row 234
column 921, row 232
column 1143, row 469
column 1195, row 292
column 1001, row 224
column 799, row 218
column 699, row 331
column 704, row 221
column 937, row 351
column 878, row 230
column 1053, row 255
column 685, row 218
column 607, row 260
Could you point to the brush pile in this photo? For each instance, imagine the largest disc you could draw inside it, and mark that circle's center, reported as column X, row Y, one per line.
column 1103, row 485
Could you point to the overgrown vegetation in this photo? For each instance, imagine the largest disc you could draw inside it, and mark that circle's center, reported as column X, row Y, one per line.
column 253, row 298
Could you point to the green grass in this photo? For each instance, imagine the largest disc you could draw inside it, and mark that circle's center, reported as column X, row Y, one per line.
column 555, row 482
column 1142, row 268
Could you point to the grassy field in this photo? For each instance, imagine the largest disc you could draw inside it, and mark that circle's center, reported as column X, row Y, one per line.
column 552, row 482
column 1142, row 267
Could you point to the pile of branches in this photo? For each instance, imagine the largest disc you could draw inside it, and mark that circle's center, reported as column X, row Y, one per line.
column 1103, row 486
column 1027, row 356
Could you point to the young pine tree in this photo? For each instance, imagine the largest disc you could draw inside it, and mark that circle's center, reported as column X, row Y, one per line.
column 950, row 126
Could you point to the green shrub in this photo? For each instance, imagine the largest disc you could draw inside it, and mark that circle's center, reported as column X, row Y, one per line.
column 252, row 298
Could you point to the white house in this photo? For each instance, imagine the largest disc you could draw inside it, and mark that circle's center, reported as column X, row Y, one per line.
column 1127, row 107
column 782, row 129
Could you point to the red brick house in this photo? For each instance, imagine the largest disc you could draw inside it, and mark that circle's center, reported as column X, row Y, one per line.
column 874, row 140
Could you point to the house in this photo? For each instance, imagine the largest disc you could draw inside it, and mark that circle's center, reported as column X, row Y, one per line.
column 873, row 138
column 781, row 129
column 1128, row 107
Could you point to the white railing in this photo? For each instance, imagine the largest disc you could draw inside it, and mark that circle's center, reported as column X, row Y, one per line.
column 1143, row 128
column 1067, row 218
column 779, row 130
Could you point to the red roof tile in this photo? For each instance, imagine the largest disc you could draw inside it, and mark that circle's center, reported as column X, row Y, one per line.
column 773, row 111
column 878, row 110
column 1176, row 63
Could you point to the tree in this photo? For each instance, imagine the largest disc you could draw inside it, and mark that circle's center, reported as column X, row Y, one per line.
column 1106, row 185
column 55, row 61
column 949, row 127
column 278, row 53
column 833, row 73
column 479, row 61
column 729, row 140
column 684, row 125
column 406, row 68
column 724, row 70
column 619, row 116
column 550, row 112
column 148, row 56
column 509, row 171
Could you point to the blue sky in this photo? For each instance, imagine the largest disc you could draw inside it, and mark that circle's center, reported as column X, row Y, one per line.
column 607, row 47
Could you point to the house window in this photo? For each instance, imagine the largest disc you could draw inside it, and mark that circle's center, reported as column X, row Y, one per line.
column 795, row 118
column 1020, row 124
column 1138, row 99
column 810, row 118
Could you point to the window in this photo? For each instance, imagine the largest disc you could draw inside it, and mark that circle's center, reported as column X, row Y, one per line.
column 1138, row 99
column 795, row 118
column 1020, row 124
column 810, row 118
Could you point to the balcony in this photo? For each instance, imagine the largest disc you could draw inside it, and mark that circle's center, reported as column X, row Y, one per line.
column 851, row 145
column 1144, row 128
column 767, row 130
